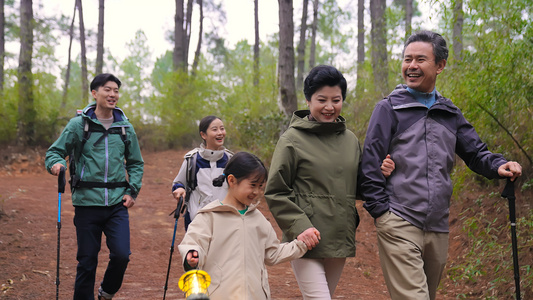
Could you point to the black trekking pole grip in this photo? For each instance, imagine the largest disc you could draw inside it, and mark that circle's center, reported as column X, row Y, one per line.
column 61, row 182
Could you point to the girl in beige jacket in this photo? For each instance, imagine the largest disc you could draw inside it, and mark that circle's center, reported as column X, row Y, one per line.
column 231, row 239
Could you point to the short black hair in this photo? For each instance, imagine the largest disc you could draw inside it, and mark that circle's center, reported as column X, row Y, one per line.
column 101, row 79
column 440, row 49
column 321, row 76
column 243, row 165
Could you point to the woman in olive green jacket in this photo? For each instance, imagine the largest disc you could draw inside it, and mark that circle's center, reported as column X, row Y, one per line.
column 312, row 184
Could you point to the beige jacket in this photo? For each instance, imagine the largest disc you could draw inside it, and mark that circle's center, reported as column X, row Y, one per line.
column 234, row 249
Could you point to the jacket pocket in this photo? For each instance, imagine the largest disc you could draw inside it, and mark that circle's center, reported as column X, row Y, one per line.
column 216, row 278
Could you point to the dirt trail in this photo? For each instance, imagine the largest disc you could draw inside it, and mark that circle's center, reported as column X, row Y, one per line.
column 28, row 240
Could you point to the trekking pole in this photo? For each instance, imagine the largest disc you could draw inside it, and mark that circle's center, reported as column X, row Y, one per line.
column 508, row 192
column 60, row 189
column 176, row 213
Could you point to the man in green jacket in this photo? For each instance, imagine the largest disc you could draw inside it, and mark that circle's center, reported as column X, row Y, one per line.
column 105, row 149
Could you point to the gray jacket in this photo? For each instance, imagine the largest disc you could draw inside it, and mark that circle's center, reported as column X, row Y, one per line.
column 423, row 143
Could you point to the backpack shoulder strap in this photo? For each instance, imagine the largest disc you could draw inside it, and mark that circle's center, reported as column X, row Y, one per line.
column 191, row 170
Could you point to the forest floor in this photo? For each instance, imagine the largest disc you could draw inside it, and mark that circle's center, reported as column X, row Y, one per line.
column 28, row 239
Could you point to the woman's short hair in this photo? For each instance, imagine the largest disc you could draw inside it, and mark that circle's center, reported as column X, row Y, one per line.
column 321, row 76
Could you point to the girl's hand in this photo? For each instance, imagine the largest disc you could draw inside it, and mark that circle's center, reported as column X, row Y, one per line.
column 387, row 166
column 179, row 192
column 192, row 258
column 311, row 237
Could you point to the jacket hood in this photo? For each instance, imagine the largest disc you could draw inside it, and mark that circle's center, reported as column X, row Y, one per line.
column 301, row 121
column 400, row 98
column 89, row 112
column 218, row 206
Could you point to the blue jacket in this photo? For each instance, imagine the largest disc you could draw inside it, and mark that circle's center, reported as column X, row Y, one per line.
column 423, row 143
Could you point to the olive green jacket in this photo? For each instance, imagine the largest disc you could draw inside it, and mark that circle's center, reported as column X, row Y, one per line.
column 103, row 159
column 312, row 183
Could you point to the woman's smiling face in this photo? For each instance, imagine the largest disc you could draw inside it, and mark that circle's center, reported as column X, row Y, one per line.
column 326, row 104
column 214, row 135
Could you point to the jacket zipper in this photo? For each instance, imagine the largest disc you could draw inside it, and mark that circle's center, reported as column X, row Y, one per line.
column 106, row 191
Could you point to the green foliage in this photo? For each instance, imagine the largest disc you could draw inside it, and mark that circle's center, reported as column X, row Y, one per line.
column 495, row 72
column 333, row 37
column 489, row 251
column 250, row 113
column 134, row 77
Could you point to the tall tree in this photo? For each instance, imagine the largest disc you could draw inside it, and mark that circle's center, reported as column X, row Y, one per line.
column 100, row 38
column 408, row 17
column 179, row 37
column 287, row 89
column 256, row 43
column 27, row 113
column 314, row 25
column 379, row 46
column 360, row 47
column 83, row 53
column 457, row 34
column 200, row 34
column 2, row 45
column 301, row 47
column 67, row 73
column 188, row 23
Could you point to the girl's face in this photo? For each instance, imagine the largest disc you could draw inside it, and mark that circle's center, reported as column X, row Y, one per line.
column 214, row 135
column 244, row 192
column 326, row 104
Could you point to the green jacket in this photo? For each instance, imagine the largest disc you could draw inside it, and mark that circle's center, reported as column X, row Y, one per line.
column 103, row 159
column 312, row 183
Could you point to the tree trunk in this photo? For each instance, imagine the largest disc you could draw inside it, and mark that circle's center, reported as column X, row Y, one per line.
column 84, row 83
column 27, row 114
column 179, row 37
column 187, row 37
column 360, row 47
column 67, row 73
column 379, row 46
column 2, row 45
column 301, row 47
column 408, row 18
column 100, row 39
column 312, row 49
column 287, row 89
column 457, row 35
column 256, row 43
column 199, row 45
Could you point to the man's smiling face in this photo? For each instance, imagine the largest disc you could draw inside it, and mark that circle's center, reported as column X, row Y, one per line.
column 419, row 69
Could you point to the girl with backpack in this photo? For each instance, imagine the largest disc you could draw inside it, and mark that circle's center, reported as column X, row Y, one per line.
column 232, row 241
column 200, row 166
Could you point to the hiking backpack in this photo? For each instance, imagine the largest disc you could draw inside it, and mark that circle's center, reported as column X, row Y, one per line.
column 88, row 128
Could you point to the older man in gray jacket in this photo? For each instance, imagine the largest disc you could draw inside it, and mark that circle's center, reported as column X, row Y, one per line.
column 422, row 131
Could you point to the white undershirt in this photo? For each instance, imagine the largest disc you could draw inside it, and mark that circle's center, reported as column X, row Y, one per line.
column 106, row 122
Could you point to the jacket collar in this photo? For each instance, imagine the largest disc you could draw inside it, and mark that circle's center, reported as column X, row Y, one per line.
column 218, row 206
column 401, row 98
column 118, row 114
column 300, row 120
column 211, row 155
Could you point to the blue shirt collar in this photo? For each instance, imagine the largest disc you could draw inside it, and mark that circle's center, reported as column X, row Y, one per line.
column 428, row 99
